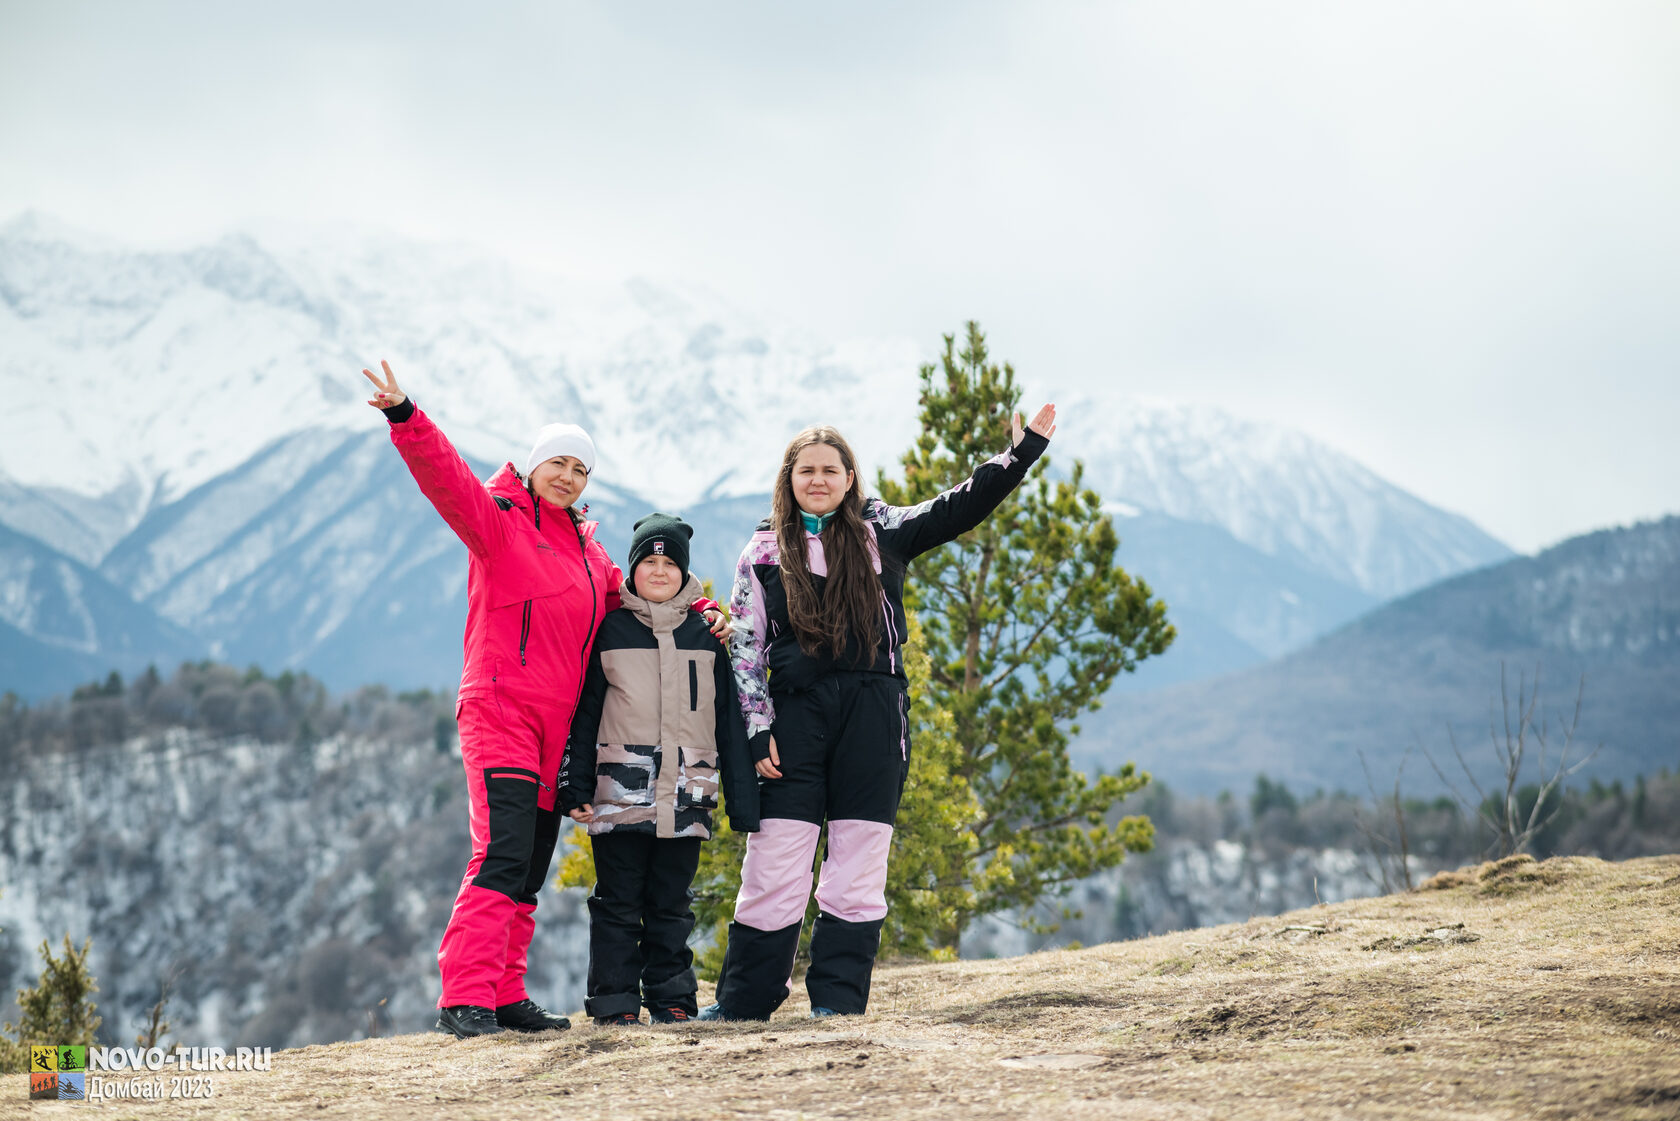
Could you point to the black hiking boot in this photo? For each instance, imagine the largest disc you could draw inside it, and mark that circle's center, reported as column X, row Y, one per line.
column 671, row 1014
column 463, row 1021
column 527, row 1015
column 622, row 1020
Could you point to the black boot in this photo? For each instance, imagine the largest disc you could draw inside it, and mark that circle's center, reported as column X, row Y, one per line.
column 670, row 1014
column 463, row 1021
column 756, row 964
column 528, row 1015
column 842, row 961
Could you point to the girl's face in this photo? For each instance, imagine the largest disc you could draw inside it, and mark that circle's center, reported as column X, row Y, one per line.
column 658, row 578
column 820, row 481
column 559, row 480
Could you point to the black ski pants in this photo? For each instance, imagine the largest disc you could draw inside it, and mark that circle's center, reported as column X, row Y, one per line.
column 639, row 923
column 845, row 752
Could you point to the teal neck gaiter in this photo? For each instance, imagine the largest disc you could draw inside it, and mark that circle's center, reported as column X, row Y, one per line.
column 814, row 523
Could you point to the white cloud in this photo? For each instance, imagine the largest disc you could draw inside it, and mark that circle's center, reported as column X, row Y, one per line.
column 1439, row 235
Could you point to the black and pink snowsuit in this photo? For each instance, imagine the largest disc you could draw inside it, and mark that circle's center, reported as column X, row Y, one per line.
column 842, row 733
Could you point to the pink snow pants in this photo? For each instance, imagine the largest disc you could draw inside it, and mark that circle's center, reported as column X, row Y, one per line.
column 512, row 755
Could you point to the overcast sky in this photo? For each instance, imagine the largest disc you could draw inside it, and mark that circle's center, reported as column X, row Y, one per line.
column 1445, row 237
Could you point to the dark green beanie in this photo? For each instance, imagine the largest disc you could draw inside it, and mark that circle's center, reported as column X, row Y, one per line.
column 660, row 535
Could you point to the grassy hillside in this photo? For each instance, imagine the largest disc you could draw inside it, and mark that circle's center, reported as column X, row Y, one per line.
column 1516, row 990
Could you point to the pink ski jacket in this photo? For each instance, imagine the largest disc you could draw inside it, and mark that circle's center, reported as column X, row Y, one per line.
column 538, row 584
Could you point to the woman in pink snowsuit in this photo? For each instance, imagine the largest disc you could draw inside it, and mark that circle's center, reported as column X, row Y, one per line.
column 538, row 586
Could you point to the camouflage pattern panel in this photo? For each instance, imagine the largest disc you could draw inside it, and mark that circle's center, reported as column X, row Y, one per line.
column 697, row 778
column 625, row 778
column 697, row 792
column 693, row 822
column 617, row 825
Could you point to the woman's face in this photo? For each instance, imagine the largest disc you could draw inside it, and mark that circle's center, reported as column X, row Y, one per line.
column 559, row 480
column 820, row 480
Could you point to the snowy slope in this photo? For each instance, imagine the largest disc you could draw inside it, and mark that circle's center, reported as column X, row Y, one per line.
column 150, row 373
column 294, row 893
column 190, row 422
column 1278, row 490
column 63, row 623
column 320, row 554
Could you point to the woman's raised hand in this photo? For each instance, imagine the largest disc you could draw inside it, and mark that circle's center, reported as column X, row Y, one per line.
column 1044, row 424
column 386, row 394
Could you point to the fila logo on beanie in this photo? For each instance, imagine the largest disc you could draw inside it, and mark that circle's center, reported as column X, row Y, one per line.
column 660, row 535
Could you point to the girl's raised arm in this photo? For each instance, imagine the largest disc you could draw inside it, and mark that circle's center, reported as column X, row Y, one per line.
column 912, row 530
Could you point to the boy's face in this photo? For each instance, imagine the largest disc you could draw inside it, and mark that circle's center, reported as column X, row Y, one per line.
column 658, row 578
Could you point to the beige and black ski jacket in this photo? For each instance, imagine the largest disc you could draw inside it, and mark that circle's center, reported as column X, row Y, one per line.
column 658, row 727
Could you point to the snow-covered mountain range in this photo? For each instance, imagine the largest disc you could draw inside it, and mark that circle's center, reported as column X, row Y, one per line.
column 1281, row 492
column 147, row 374
column 188, row 426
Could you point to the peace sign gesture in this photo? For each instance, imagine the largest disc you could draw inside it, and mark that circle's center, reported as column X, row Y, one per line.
column 386, row 395
column 1044, row 423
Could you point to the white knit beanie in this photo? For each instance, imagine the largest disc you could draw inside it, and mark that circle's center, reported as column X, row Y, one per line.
column 561, row 439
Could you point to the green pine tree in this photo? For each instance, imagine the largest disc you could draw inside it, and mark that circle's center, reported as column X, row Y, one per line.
column 1027, row 620
column 59, row 1010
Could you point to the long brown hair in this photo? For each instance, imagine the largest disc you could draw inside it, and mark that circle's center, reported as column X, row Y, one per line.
column 850, row 606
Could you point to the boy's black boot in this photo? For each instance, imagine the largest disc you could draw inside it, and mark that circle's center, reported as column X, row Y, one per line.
column 670, row 1014
column 463, row 1021
column 528, row 1015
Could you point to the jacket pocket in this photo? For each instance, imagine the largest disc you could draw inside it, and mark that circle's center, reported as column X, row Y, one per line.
column 697, row 778
column 625, row 775
column 693, row 685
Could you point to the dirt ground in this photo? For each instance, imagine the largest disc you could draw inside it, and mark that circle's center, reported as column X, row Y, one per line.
column 1515, row 991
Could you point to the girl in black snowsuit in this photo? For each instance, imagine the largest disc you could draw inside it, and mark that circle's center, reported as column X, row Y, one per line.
column 818, row 604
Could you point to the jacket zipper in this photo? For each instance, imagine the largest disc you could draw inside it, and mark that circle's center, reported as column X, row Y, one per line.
column 525, row 621
column 693, row 687
column 525, row 615
column 903, row 727
column 589, row 635
column 892, row 634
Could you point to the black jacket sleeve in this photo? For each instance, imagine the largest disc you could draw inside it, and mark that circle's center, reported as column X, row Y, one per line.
column 738, row 779
column 400, row 412
column 910, row 531
column 577, row 768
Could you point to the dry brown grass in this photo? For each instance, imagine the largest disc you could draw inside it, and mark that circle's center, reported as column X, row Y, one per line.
column 1557, row 997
